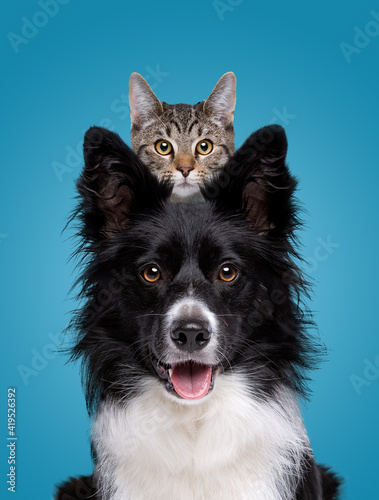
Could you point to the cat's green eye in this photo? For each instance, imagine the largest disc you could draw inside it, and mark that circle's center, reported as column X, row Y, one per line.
column 163, row 147
column 204, row 147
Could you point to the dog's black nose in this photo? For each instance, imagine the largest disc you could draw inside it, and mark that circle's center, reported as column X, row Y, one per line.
column 191, row 335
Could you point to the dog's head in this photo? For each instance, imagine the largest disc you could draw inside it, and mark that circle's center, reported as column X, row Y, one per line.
column 185, row 292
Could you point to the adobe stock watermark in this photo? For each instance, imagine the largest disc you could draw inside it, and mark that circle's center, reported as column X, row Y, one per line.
column 322, row 251
column 120, row 106
column 281, row 117
column 265, row 310
column 367, row 377
column 40, row 359
column 73, row 156
column 225, row 6
column 145, row 428
column 32, row 25
column 362, row 37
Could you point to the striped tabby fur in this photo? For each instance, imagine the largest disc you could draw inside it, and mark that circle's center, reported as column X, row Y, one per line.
column 183, row 126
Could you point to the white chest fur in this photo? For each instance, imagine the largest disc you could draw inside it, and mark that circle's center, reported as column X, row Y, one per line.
column 225, row 446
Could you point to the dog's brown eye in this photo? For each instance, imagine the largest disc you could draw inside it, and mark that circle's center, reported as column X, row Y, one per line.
column 204, row 147
column 151, row 273
column 163, row 147
column 228, row 273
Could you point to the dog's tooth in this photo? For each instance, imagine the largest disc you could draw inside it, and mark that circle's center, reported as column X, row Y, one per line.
column 170, row 372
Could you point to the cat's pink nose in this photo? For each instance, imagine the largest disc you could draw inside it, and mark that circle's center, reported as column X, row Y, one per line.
column 185, row 170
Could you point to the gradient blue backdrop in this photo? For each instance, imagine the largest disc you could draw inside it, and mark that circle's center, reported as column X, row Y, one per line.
column 72, row 72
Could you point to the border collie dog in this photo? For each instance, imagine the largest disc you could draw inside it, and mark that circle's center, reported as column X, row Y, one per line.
column 193, row 336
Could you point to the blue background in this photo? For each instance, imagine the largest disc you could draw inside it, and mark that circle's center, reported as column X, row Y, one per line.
column 290, row 68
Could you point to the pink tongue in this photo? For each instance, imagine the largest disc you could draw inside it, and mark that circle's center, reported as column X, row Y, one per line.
column 191, row 381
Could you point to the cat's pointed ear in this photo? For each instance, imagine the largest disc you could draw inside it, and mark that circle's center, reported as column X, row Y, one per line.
column 257, row 181
column 222, row 101
column 144, row 104
column 113, row 183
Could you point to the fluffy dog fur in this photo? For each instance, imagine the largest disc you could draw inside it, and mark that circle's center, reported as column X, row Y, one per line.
column 245, row 438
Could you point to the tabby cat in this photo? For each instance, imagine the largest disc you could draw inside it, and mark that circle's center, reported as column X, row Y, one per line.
column 183, row 143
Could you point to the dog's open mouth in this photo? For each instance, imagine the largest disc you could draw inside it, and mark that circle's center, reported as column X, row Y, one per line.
column 188, row 380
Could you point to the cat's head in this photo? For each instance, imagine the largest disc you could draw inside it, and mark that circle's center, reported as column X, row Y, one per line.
column 183, row 143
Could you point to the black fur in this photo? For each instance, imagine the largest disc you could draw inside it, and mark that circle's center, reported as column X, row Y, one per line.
column 81, row 488
column 249, row 218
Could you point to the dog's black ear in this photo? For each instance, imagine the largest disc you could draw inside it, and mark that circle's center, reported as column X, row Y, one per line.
column 257, row 181
column 114, row 183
